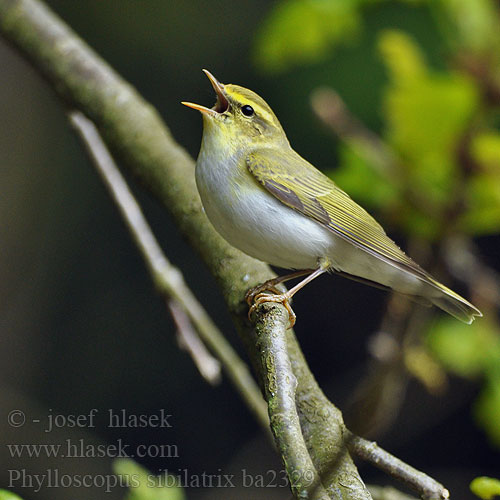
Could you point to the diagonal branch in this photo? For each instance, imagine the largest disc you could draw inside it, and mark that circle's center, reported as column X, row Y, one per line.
column 428, row 488
column 187, row 339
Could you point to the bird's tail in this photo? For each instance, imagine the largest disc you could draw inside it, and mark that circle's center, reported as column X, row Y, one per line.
column 452, row 303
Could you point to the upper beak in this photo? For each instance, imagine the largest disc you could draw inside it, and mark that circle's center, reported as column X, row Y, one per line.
column 222, row 103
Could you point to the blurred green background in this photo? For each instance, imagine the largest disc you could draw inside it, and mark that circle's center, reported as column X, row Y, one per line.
column 81, row 325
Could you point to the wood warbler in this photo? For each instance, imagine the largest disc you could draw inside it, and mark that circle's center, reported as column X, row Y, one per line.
column 269, row 202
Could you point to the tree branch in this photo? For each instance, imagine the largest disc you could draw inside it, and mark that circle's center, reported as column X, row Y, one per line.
column 387, row 493
column 428, row 488
column 280, row 384
column 187, row 339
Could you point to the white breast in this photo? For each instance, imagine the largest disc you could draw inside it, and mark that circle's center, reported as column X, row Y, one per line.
column 254, row 221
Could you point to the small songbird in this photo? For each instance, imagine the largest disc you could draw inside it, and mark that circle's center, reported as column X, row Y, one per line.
column 269, row 202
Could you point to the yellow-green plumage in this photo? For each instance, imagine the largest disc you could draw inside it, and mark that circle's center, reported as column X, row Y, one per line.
column 268, row 201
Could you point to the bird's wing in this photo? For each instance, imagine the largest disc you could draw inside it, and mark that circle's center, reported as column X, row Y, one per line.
column 299, row 185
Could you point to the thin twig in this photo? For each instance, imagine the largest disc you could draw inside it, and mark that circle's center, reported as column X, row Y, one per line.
column 428, row 488
column 187, row 339
column 387, row 493
column 167, row 278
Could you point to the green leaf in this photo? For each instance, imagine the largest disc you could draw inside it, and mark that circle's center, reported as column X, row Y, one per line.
column 472, row 25
column 426, row 114
column 419, row 224
column 7, row 495
column 485, row 149
column 437, row 108
column 470, row 351
column 482, row 215
column 301, row 31
column 485, row 487
column 401, row 55
column 146, row 486
column 467, row 350
column 361, row 180
column 367, row 185
column 482, row 196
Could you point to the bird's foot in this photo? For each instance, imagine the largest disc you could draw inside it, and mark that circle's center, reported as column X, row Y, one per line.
column 269, row 292
column 269, row 286
column 276, row 296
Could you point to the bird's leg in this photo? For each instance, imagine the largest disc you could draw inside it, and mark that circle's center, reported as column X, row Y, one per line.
column 270, row 285
column 257, row 295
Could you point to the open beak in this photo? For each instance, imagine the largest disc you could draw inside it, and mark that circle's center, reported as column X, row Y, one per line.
column 222, row 103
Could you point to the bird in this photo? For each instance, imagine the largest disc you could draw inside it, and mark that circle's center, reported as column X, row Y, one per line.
column 266, row 200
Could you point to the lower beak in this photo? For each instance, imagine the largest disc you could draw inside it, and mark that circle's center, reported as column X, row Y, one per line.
column 199, row 107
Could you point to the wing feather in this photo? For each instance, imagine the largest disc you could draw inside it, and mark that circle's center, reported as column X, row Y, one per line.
column 299, row 185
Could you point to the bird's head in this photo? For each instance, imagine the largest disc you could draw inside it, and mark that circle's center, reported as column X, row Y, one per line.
column 239, row 116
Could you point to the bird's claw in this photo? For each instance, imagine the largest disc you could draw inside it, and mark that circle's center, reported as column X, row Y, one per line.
column 281, row 298
column 259, row 289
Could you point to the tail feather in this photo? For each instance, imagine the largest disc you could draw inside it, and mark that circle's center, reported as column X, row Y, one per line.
column 432, row 292
column 452, row 303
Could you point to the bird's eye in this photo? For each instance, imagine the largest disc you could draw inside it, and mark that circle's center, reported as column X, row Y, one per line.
column 247, row 110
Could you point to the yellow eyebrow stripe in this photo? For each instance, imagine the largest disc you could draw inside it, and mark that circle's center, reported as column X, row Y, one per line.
column 243, row 99
column 263, row 113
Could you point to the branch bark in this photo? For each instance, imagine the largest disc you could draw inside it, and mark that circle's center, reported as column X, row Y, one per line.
column 280, row 384
column 428, row 488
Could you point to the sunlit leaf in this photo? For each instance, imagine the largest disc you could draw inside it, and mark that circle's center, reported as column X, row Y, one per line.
column 485, row 487
column 485, row 150
column 482, row 214
column 7, row 495
column 301, row 31
column 472, row 25
column 433, row 111
column 467, row 350
column 146, row 486
column 363, row 183
column 403, row 58
column 426, row 114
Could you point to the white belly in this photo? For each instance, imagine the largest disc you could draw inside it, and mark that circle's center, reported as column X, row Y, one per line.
column 254, row 221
